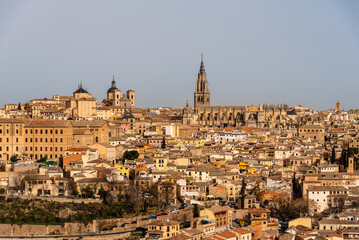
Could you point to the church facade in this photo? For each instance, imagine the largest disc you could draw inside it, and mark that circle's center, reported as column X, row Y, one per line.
column 262, row 116
column 116, row 100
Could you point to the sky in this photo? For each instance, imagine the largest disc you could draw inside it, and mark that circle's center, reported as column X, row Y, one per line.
column 294, row 52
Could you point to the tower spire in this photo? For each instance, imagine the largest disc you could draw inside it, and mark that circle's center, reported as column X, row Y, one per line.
column 113, row 85
column 201, row 70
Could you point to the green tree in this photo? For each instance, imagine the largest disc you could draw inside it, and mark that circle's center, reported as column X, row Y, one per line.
column 195, row 211
column 61, row 162
column 243, row 192
column 131, row 155
column 103, row 194
column 14, row 158
column 332, row 156
column 43, row 159
column 163, row 144
column 75, row 193
column 88, row 192
column 19, row 106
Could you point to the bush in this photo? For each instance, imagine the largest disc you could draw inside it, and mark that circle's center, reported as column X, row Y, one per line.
column 131, row 155
column 14, row 158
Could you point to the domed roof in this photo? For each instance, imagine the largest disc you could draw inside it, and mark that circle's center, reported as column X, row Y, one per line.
column 113, row 86
column 80, row 89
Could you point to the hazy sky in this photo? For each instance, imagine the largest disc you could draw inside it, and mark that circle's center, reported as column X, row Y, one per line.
column 296, row 52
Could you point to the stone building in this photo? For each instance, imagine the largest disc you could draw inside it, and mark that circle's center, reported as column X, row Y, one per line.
column 44, row 185
column 82, row 105
column 51, row 138
column 114, row 98
column 261, row 116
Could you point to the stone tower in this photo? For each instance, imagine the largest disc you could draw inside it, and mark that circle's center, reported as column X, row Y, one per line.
column 350, row 165
column 337, row 106
column 114, row 94
column 202, row 95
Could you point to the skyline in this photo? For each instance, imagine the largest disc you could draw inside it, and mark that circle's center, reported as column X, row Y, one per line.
column 250, row 51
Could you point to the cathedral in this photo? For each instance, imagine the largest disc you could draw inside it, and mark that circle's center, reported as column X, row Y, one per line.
column 262, row 116
column 114, row 98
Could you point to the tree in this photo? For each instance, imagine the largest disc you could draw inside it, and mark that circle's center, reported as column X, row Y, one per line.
column 14, row 158
column 163, row 144
column 61, row 162
column 130, row 155
column 344, row 158
column 243, row 192
column 286, row 208
column 43, row 159
column 19, row 106
column 88, row 192
column 103, row 194
column 297, row 190
column 332, row 156
column 195, row 211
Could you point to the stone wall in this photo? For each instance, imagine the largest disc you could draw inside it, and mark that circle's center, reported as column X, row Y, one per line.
column 95, row 226
column 37, row 230
column 55, row 199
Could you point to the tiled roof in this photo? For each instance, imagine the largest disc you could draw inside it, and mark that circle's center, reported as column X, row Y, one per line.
column 47, row 123
column 77, row 149
column 227, row 234
column 95, row 123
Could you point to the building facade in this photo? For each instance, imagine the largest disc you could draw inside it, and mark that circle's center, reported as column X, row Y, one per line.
column 262, row 116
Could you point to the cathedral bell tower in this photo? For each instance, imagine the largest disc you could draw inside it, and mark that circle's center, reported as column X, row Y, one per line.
column 202, row 95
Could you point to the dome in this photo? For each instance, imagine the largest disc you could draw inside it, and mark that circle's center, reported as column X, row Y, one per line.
column 111, row 89
column 113, row 86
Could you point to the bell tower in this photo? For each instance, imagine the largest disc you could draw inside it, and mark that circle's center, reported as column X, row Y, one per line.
column 202, row 96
